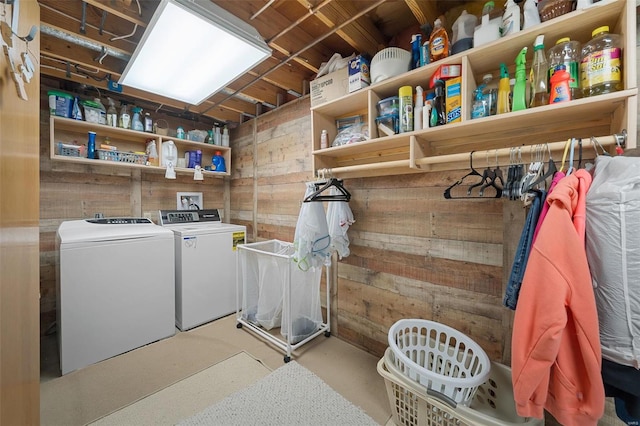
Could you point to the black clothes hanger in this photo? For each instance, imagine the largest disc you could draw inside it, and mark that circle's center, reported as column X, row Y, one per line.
column 473, row 172
column 320, row 187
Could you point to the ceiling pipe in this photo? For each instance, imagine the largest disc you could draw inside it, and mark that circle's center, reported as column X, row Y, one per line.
column 289, row 58
column 83, row 42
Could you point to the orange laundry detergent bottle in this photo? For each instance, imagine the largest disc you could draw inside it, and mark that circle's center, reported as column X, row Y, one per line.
column 560, row 90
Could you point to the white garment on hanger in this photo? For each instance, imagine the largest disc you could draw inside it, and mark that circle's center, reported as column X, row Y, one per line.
column 311, row 239
column 339, row 218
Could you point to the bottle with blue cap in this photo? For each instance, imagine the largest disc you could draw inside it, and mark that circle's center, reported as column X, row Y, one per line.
column 217, row 163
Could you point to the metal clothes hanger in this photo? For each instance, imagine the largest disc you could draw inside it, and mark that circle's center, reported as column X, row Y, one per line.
column 494, row 178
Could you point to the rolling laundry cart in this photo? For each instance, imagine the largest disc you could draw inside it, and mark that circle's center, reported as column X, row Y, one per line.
column 276, row 293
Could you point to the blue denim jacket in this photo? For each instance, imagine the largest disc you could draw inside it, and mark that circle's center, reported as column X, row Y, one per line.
column 522, row 252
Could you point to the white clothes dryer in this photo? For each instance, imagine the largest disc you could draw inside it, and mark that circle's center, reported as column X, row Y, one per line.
column 205, row 265
column 115, row 288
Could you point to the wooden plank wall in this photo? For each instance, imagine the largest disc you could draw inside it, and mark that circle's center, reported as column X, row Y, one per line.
column 19, row 181
column 413, row 253
column 72, row 191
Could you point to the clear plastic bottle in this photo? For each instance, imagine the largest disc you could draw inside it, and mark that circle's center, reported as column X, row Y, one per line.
column 490, row 94
column 479, row 108
column 601, row 65
column 136, row 122
column 124, row 120
column 112, row 114
column 225, row 136
column 567, row 53
column 102, row 118
column 438, row 42
column 539, row 75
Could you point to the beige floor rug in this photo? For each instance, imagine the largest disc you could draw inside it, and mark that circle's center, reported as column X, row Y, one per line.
column 291, row 395
column 190, row 395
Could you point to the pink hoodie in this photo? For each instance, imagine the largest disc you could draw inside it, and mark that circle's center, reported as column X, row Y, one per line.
column 556, row 355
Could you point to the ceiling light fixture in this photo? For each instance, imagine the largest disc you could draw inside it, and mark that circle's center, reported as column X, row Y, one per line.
column 191, row 50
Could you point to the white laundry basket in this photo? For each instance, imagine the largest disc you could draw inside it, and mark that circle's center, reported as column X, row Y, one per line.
column 439, row 358
column 413, row 405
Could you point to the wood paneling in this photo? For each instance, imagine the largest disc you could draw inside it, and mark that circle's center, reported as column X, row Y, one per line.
column 413, row 253
column 19, row 245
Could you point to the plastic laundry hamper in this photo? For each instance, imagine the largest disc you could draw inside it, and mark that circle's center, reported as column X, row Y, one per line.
column 439, row 358
column 413, row 405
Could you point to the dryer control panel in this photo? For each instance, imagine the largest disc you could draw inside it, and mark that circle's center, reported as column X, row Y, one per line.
column 174, row 217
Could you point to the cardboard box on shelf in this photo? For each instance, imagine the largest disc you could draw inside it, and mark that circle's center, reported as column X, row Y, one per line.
column 330, row 87
column 453, row 99
column 359, row 75
column 445, row 72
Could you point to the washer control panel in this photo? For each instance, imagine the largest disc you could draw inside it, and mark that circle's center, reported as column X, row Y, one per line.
column 119, row 220
column 174, row 217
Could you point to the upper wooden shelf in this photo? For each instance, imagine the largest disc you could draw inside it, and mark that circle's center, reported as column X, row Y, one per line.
column 403, row 153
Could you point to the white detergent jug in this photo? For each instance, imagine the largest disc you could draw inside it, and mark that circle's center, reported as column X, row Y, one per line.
column 489, row 29
column 169, row 152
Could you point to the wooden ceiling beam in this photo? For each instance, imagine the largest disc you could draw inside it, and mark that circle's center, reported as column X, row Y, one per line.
column 423, row 11
column 128, row 13
column 362, row 35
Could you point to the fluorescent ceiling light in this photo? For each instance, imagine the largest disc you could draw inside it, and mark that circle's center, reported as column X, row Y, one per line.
column 191, row 50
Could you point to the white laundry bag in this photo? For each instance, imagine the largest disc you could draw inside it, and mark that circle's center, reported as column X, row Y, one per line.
column 311, row 240
column 339, row 218
column 613, row 252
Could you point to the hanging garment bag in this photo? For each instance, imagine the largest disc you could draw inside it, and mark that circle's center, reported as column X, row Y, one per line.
column 613, row 252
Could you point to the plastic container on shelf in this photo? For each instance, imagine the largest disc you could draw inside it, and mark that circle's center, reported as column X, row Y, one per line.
column 439, row 357
column 217, row 163
column 387, row 125
column 490, row 94
column 601, row 66
column 60, row 103
column 462, row 32
column 539, row 75
column 389, row 62
column 136, row 122
column 388, row 106
column 112, row 114
column 438, row 42
column 560, row 91
column 511, row 19
column 489, row 28
column 405, row 108
column 549, row 9
column 416, row 44
column 567, row 52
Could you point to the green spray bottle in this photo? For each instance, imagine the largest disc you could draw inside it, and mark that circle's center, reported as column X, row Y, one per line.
column 520, row 88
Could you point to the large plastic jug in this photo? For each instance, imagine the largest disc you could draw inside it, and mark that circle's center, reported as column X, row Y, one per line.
column 218, row 162
column 489, row 29
column 169, row 153
column 463, row 29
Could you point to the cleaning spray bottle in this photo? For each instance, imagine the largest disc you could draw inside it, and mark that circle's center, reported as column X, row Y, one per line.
column 503, row 90
column 510, row 19
column 112, row 114
column 136, row 122
column 417, row 109
column 520, row 88
column 539, row 75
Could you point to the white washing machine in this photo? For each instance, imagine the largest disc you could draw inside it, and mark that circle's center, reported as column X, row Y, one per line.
column 115, row 288
column 205, row 264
